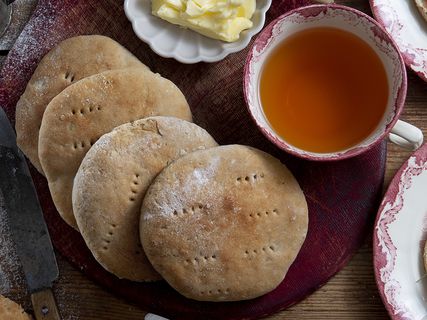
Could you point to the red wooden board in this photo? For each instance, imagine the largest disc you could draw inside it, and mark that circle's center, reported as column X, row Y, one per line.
column 342, row 196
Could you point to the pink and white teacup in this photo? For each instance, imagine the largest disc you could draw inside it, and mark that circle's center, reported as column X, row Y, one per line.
column 367, row 29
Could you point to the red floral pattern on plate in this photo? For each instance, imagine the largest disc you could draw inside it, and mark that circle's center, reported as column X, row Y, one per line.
column 385, row 251
column 391, row 18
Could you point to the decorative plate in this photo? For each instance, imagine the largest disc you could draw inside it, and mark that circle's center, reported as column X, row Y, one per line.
column 407, row 27
column 399, row 237
column 187, row 46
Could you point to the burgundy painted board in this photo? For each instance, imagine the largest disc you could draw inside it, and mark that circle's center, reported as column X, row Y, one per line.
column 343, row 196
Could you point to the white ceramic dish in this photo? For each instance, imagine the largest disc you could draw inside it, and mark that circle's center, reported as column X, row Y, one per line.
column 399, row 237
column 406, row 26
column 184, row 45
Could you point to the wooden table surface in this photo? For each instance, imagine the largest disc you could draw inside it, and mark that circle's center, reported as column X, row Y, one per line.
column 351, row 294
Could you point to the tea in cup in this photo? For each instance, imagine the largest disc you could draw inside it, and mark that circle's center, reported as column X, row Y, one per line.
column 326, row 82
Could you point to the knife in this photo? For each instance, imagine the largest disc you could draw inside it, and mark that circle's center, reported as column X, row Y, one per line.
column 27, row 224
column 5, row 15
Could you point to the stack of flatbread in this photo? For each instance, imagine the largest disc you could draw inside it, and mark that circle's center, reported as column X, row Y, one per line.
column 152, row 194
column 83, row 88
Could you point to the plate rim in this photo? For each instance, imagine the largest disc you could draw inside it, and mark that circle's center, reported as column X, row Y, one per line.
column 390, row 197
column 378, row 17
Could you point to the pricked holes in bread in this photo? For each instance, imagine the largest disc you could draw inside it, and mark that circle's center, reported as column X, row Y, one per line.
column 69, row 76
column 134, row 185
column 265, row 249
column 274, row 212
column 83, row 144
column 201, row 259
column 250, row 178
column 83, row 111
column 107, row 240
column 192, row 210
column 217, row 291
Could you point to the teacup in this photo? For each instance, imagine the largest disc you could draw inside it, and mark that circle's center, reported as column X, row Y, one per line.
column 366, row 29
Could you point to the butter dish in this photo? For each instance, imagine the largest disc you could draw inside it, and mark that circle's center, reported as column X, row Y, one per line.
column 218, row 19
column 184, row 45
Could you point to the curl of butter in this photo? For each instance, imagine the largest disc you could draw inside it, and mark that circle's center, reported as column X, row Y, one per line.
column 218, row 19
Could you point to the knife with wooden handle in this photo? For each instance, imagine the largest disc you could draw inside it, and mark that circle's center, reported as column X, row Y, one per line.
column 27, row 224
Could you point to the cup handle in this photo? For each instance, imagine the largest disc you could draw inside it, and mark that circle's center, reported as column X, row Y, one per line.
column 406, row 135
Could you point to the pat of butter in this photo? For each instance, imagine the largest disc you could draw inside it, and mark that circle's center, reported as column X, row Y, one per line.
column 218, row 19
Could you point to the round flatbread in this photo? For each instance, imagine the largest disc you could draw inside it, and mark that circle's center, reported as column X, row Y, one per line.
column 422, row 7
column 112, row 181
column 224, row 224
column 71, row 60
column 83, row 112
column 10, row 310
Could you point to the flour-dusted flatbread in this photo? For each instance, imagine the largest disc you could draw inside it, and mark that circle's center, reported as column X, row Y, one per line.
column 422, row 7
column 112, row 181
column 10, row 310
column 224, row 224
column 68, row 62
column 83, row 112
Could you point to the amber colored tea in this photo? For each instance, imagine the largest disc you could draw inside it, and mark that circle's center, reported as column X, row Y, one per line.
column 323, row 90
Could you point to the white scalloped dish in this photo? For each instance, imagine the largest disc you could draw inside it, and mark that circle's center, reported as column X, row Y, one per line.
column 187, row 46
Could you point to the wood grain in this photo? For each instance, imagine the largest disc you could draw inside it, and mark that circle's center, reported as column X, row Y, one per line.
column 44, row 305
column 351, row 294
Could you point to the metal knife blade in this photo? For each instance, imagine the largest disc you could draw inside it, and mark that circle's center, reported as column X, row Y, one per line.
column 25, row 215
column 5, row 16
column 7, row 1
